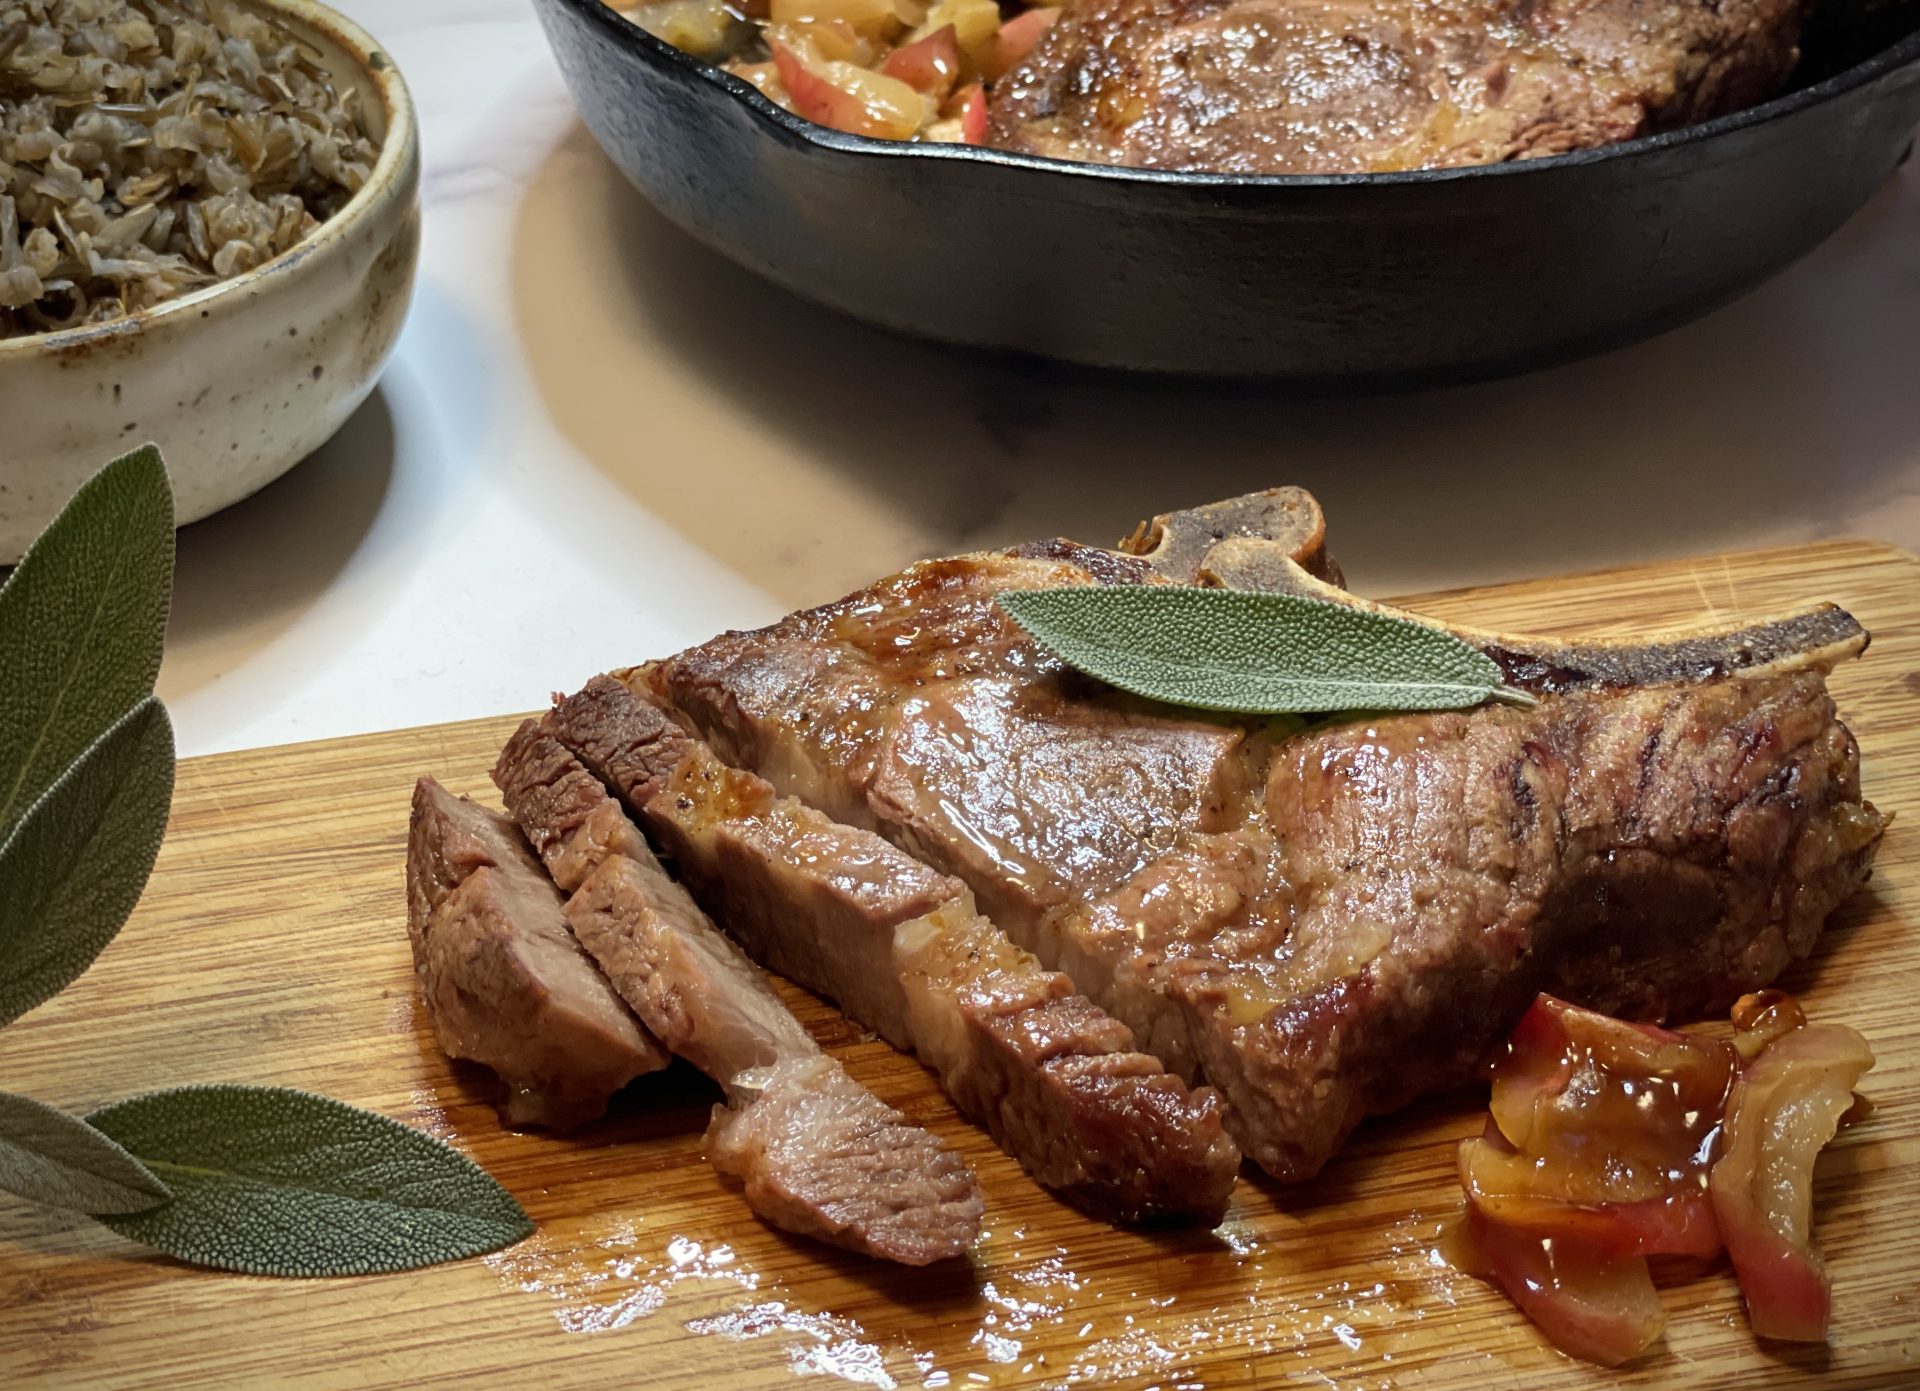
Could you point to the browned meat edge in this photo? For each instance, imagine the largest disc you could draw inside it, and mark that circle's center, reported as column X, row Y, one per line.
column 818, row 1154
column 1057, row 1082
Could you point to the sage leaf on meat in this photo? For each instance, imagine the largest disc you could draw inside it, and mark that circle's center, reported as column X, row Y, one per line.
column 76, row 863
column 273, row 1181
column 47, row 1156
column 82, row 618
column 1257, row 654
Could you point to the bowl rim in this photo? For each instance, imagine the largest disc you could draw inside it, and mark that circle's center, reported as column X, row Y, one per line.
column 397, row 149
column 783, row 123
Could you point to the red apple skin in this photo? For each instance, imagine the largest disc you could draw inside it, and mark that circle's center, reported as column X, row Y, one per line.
column 1015, row 41
column 930, row 66
column 1786, row 1107
column 973, row 115
column 1587, row 1305
column 813, row 96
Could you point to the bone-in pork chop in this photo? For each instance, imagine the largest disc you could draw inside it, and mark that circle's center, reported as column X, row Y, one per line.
column 1322, row 921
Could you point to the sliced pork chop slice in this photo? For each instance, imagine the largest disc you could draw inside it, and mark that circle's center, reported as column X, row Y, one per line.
column 817, row 1153
column 504, row 981
column 1322, row 922
column 1056, row 1081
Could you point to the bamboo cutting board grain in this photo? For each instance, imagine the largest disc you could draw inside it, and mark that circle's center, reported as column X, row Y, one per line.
column 270, row 948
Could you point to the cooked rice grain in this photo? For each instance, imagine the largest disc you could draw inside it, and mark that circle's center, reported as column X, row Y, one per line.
column 150, row 147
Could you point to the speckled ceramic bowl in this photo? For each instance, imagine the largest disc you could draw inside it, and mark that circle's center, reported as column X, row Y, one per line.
column 240, row 381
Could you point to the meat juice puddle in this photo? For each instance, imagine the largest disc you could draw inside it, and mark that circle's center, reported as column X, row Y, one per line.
column 1190, row 1312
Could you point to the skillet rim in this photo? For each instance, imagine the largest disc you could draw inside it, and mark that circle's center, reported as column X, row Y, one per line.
column 782, row 124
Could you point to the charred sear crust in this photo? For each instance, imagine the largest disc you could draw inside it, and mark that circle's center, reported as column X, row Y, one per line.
column 1357, row 86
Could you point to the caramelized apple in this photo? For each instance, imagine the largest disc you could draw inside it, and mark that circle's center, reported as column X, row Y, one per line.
column 930, row 66
column 973, row 115
column 963, row 119
column 1609, row 1142
column 976, row 23
column 1599, row 1307
column 1604, row 1130
column 1785, row 1108
column 1015, row 41
column 873, row 19
column 849, row 98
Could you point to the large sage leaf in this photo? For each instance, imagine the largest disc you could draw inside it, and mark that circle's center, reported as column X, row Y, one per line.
column 47, row 1156
column 1270, row 654
column 81, row 622
column 76, row 862
column 270, row 1181
column 256, row 1179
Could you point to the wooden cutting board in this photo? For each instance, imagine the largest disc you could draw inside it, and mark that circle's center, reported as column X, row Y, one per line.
column 270, row 948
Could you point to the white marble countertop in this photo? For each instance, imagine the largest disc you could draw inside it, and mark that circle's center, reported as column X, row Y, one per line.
column 598, row 442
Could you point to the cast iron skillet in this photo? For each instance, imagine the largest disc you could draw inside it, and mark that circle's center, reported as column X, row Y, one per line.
column 1405, row 277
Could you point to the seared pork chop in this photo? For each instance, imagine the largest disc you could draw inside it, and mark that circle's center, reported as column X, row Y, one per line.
column 504, row 982
column 1053, row 1078
column 818, row 1153
column 1322, row 921
column 1342, row 86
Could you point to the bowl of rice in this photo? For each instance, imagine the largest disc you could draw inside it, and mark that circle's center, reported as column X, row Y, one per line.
column 209, row 223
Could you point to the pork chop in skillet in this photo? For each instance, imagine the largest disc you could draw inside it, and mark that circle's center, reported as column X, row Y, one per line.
column 1357, row 86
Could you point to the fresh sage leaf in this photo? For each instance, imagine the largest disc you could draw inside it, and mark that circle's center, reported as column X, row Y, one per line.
column 82, row 618
column 1256, row 654
column 271, row 1181
column 48, row 1156
column 255, row 1179
column 75, row 864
